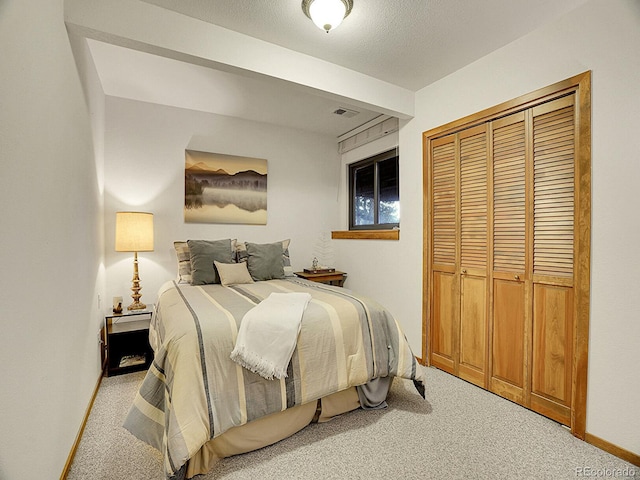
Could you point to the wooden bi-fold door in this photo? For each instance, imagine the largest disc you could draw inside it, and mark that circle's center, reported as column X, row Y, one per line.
column 473, row 217
column 510, row 316
column 506, row 259
column 533, row 252
column 553, row 253
column 460, row 255
column 445, row 306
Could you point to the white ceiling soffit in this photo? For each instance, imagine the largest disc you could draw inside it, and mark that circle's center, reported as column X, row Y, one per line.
column 409, row 43
column 291, row 82
column 150, row 78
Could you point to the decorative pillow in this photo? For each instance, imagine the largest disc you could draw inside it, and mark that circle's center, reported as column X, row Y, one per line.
column 203, row 253
column 286, row 261
column 264, row 261
column 184, row 262
column 233, row 273
column 184, row 259
column 241, row 256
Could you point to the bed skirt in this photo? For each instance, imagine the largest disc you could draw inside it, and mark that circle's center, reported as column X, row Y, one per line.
column 270, row 429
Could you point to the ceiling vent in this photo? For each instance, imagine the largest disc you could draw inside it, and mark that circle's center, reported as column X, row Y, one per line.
column 345, row 112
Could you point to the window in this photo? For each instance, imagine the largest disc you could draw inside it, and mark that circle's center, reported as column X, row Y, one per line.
column 374, row 192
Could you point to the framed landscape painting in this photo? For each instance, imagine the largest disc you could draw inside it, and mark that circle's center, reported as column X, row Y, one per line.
column 221, row 188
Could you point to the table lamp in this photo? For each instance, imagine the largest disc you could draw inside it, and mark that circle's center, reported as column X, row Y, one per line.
column 134, row 233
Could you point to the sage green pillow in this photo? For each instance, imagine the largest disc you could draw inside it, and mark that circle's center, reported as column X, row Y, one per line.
column 241, row 255
column 203, row 253
column 265, row 260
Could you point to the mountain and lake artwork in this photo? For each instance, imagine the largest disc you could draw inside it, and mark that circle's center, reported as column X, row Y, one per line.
column 221, row 188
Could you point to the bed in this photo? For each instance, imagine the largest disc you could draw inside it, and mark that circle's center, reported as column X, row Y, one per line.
column 196, row 405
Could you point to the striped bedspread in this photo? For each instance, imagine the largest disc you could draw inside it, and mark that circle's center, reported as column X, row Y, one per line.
column 194, row 392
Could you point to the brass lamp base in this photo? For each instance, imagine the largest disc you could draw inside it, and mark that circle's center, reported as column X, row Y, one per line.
column 136, row 305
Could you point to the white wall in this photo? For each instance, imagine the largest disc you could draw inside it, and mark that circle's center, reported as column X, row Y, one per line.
column 144, row 169
column 51, row 243
column 602, row 36
column 387, row 270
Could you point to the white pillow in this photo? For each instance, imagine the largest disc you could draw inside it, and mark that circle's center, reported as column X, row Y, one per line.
column 233, row 273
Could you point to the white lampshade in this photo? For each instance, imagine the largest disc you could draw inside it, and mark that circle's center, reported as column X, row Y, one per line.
column 327, row 14
column 134, row 232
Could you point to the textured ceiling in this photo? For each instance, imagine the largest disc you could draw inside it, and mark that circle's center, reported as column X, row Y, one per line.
column 409, row 43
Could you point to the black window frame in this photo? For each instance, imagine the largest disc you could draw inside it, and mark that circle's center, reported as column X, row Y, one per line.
column 353, row 167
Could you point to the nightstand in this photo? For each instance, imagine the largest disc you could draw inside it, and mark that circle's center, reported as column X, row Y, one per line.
column 332, row 278
column 126, row 337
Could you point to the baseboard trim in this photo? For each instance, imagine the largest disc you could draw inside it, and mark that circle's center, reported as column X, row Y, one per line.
column 76, row 443
column 613, row 449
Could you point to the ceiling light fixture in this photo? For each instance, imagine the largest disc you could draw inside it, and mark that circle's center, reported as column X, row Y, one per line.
column 327, row 14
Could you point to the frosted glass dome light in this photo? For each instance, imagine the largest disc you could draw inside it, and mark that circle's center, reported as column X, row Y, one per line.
column 327, row 14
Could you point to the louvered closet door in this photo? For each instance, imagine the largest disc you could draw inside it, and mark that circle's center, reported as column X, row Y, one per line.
column 444, row 308
column 473, row 216
column 553, row 254
column 508, row 374
column 507, row 263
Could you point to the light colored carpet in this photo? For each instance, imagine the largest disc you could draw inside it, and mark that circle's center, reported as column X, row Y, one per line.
column 459, row 432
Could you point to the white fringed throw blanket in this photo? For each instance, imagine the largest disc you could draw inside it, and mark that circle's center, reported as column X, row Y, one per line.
column 268, row 334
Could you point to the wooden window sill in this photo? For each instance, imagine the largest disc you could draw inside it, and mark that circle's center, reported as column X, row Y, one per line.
column 367, row 234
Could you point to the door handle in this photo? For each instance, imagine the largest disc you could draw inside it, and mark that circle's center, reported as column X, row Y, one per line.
column 516, row 276
column 464, row 271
